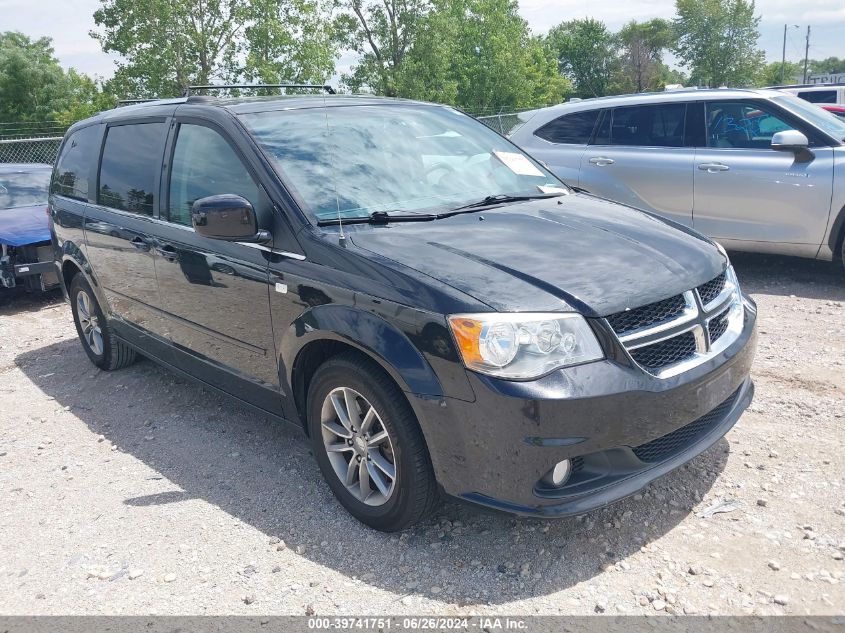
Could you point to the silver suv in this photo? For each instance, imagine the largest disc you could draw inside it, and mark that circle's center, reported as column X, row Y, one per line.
column 758, row 170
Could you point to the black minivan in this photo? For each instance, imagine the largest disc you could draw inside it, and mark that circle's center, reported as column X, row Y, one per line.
column 435, row 309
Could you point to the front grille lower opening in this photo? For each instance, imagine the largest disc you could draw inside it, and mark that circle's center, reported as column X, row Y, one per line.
column 675, row 442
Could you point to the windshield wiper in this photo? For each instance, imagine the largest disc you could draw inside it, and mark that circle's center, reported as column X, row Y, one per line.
column 502, row 199
column 379, row 217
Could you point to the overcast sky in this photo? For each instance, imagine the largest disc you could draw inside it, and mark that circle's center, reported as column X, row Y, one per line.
column 69, row 21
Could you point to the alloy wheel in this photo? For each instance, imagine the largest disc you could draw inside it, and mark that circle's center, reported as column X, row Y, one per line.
column 358, row 446
column 89, row 322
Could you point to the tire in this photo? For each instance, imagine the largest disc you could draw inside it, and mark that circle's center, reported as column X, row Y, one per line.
column 98, row 341
column 352, row 380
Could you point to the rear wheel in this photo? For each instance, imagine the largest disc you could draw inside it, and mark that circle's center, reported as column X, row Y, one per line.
column 104, row 350
column 368, row 444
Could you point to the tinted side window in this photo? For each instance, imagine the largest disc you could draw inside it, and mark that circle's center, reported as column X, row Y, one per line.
column 734, row 124
column 204, row 164
column 79, row 153
column 130, row 167
column 649, row 125
column 818, row 96
column 575, row 128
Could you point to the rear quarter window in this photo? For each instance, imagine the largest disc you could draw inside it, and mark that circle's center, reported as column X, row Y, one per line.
column 73, row 166
column 130, row 167
column 573, row 129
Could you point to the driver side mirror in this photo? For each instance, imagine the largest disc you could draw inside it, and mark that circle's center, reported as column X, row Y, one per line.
column 792, row 141
column 227, row 217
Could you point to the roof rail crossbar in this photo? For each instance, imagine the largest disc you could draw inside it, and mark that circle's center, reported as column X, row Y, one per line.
column 133, row 101
column 325, row 87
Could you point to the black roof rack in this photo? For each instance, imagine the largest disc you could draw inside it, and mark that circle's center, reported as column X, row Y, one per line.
column 325, row 87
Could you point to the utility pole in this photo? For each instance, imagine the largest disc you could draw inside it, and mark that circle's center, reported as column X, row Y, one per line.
column 783, row 58
column 806, row 53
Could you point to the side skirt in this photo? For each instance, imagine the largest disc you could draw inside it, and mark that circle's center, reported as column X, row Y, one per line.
column 169, row 366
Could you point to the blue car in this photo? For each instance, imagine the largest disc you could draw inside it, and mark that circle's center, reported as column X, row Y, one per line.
column 27, row 257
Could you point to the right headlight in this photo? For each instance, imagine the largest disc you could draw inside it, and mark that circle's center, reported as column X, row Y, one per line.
column 523, row 345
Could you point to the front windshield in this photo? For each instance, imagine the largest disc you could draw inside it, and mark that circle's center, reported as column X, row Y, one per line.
column 24, row 189
column 400, row 159
column 816, row 115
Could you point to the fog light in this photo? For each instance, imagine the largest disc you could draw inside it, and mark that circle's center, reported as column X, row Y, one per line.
column 558, row 475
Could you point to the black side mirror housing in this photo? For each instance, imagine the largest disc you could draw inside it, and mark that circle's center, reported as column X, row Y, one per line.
column 227, row 217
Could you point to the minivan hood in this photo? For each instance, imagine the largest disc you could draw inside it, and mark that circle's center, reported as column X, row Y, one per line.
column 574, row 252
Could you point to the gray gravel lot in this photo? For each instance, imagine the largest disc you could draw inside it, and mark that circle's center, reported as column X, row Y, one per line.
column 136, row 492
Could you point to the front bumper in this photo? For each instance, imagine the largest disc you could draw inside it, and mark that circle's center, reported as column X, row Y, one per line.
column 621, row 427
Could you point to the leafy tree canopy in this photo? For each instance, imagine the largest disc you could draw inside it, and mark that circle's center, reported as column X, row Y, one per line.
column 717, row 41
column 34, row 87
column 168, row 45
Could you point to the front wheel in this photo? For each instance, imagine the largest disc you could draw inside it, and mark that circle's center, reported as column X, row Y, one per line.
column 369, row 445
column 104, row 350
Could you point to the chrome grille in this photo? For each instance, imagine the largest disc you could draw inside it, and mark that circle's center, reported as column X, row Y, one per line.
column 657, row 312
column 712, row 289
column 718, row 326
column 669, row 336
column 667, row 352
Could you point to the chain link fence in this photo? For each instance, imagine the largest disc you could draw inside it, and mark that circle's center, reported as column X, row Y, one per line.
column 30, row 142
column 30, row 150
column 503, row 121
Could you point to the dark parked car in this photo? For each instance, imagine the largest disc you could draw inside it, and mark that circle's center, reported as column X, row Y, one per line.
column 434, row 308
column 26, row 257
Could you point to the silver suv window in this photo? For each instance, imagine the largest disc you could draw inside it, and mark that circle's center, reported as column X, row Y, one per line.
column 573, row 129
column 652, row 125
column 737, row 124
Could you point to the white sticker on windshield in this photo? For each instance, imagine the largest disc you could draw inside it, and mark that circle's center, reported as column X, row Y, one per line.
column 552, row 189
column 518, row 164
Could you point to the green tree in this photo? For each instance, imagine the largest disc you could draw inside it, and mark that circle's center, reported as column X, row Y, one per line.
column 588, row 54
column 289, row 41
column 476, row 54
column 32, row 82
column 381, row 32
column 168, row 45
column 643, row 45
column 33, row 86
column 83, row 97
column 717, row 41
column 829, row 65
column 770, row 74
column 480, row 55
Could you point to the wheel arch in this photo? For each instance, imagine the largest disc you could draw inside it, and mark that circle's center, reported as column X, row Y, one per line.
column 73, row 261
column 836, row 239
column 326, row 331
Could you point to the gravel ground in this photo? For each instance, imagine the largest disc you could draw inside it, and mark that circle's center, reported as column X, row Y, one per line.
column 135, row 492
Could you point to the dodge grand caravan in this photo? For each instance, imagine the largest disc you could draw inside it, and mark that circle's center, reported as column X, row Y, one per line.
column 435, row 309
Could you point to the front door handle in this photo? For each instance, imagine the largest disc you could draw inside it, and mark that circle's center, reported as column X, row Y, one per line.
column 712, row 168
column 168, row 252
column 140, row 244
column 601, row 161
